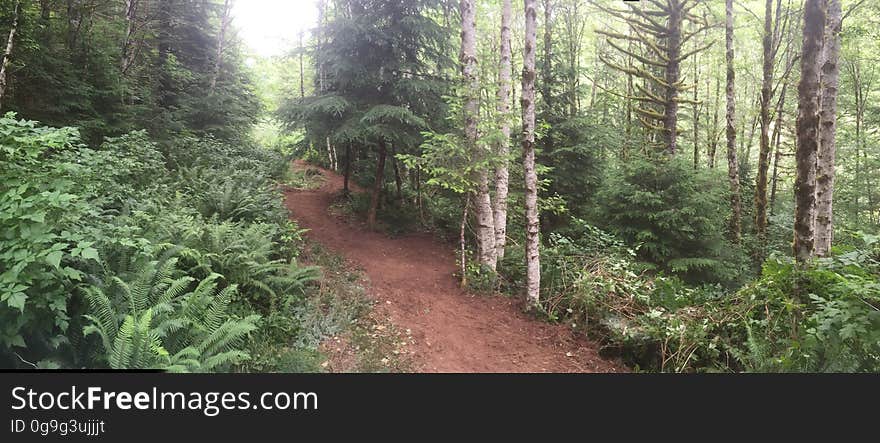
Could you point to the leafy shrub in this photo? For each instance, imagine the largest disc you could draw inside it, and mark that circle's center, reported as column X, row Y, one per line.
column 38, row 206
column 107, row 221
column 152, row 321
column 824, row 317
column 674, row 214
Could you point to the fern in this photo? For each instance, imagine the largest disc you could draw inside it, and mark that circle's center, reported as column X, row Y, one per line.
column 158, row 314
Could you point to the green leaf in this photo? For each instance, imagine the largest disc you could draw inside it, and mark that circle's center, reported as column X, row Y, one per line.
column 54, row 258
column 18, row 341
column 90, row 253
column 16, row 300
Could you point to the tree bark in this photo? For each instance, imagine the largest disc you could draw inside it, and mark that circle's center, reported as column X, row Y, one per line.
column 503, row 150
column 830, row 77
column 461, row 240
column 696, row 112
column 7, row 54
column 547, row 68
column 319, row 38
column 777, row 140
column 128, row 52
column 221, row 41
column 397, row 180
column 764, row 152
column 533, row 264
column 45, row 10
column 732, row 161
column 716, row 131
column 807, row 131
column 377, row 186
column 670, row 119
column 347, row 173
column 482, row 201
column 302, row 76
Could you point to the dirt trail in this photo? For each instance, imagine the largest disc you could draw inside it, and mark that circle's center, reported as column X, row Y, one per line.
column 454, row 331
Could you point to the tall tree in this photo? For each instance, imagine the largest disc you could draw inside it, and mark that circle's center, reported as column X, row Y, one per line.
column 830, row 76
column 732, row 162
column 807, row 130
column 777, row 145
column 533, row 260
column 503, row 148
column 378, row 184
column 129, row 48
column 383, row 103
column 771, row 43
column 482, row 200
column 225, row 20
column 7, row 54
column 764, row 152
column 659, row 26
column 713, row 131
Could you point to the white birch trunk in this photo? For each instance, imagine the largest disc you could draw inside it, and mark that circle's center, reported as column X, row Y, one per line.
column 482, row 200
column 533, row 264
column 830, row 77
column 7, row 54
column 501, row 172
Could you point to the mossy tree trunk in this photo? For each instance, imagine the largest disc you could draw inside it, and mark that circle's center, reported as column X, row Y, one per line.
column 807, row 131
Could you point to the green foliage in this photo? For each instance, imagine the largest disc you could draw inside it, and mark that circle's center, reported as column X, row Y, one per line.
column 152, row 321
column 38, row 207
column 822, row 318
column 69, row 68
column 674, row 214
column 107, row 220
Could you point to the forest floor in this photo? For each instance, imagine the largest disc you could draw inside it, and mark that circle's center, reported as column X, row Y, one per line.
column 410, row 280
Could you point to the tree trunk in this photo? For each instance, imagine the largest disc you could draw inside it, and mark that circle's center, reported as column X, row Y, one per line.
column 547, row 68
column 330, row 157
column 347, row 173
column 713, row 143
column 533, row 264
column 74, row 22
column 45, row 10
column 696, row 112
column 164, row 81
column 807, row 130
column 128, row 52
column 482, row 200
column 861, row 103
column 501, row 172
column 302, row 76
column 777, row 140
column 418, row 180
column 732, row 161
column 221, row 41
column 670, row 118
column 461, row 239
column 397, row 180
column 830, row 77
column 377, row 187
column 7, row 54
column 319, row 38
column 764, row 152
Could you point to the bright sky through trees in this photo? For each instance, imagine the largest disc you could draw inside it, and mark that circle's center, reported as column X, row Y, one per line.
column 270, row 27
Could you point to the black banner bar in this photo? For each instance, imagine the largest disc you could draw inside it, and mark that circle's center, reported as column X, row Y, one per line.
column 127, row 407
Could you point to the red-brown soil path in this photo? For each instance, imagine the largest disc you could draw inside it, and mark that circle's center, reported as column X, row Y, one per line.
column 454, row 331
